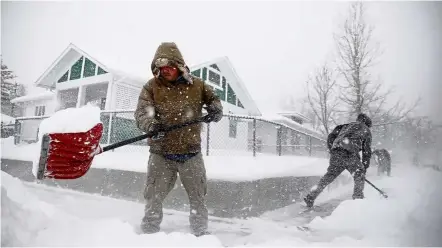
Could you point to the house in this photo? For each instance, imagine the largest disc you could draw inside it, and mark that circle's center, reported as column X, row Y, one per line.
column 287, row 133
column 76, row 78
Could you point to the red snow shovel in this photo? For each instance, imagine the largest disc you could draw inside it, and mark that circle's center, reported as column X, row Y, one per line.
column 70, row 155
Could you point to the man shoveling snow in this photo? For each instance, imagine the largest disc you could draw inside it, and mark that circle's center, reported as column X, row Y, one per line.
column 345, row 143
column 171, row 97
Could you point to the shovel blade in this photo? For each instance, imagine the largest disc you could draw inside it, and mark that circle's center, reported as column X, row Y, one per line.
column 68, row 155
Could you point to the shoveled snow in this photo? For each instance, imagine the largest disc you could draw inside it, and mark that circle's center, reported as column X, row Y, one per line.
column 27, row 220
column 70, row 120
column 38, row 215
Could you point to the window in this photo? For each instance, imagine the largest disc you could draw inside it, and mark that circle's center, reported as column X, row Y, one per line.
column 64, row 78
column 222, row 93
column 214, row 78
column 214, row 66
column 204, row 74
column 233, row 125
column 89, row 68
column 101, row 71
column 40, row 110
column 240, row 104
column 231, row 97
column 76, row 69
column 197, row 73
column 68, row 98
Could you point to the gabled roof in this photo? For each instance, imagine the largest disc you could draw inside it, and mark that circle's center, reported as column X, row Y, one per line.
column 234, row 81
column 69, row 56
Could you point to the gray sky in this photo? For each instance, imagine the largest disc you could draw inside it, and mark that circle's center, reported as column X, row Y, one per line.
column 273, row 47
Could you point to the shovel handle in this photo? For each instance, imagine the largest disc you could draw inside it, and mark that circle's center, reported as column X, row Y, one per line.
column 380, row 191
column 148, row 135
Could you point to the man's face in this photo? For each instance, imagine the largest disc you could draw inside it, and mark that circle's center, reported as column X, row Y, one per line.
column 170, row 73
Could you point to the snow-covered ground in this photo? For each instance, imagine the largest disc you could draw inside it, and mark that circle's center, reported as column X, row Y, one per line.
column 38, row 215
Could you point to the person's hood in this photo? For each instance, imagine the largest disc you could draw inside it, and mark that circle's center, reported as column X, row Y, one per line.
column 168, row 54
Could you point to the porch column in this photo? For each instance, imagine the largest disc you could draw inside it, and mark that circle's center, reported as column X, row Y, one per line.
column 110, row 88
column 80, row 96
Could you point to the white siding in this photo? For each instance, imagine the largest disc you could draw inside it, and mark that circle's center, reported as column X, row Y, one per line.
column 29, row 128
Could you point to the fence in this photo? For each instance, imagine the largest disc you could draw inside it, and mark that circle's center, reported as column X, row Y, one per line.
column 233, row 135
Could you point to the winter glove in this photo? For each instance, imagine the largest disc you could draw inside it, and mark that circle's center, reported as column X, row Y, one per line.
column 213, row 114
column 158, row 130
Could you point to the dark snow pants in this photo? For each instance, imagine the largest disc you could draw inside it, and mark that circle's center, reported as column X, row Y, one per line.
column 161, row 178
column 340, row 160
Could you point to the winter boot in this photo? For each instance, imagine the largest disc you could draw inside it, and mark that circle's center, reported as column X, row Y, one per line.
column 201, row 233
column 309, row 201
column 149, row 229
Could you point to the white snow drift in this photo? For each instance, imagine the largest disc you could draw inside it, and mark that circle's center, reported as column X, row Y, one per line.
column 37, row 215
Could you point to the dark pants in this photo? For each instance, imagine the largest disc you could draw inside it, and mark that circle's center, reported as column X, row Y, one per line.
column 340, row 160
column 161, row 177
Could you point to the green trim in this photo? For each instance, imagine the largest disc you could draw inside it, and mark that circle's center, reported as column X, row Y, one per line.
column 76, row 69
column 215, row 66
column 240, row 104
column 231, row 96
column 204, row 77
column 197, row 73
column 64, row 78
column 101, row 71
column 215, row 78
column 89, row 68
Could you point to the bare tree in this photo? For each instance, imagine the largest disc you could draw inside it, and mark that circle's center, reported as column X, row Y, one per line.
column 322, row 98
column 357, row 52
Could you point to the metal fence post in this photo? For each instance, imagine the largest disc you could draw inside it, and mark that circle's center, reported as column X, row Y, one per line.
column 279, row 140
column 254, row 137
column 208, row 139
column 16, row 132
column 109, row 128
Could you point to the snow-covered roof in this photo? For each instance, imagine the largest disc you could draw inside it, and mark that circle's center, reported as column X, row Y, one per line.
column 34, row 97
column 295, row 114
column 292, row 124
column 6, row 119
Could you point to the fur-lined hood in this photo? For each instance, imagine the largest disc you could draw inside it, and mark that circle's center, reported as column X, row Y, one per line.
column 169, row 54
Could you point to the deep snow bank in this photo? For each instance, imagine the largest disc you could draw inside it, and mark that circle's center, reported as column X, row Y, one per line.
column 28, row 221
column 411, row 216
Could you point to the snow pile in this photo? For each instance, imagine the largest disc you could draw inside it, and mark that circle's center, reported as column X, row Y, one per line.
column 70, row 120
column 29, row 221
column 411, row 215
